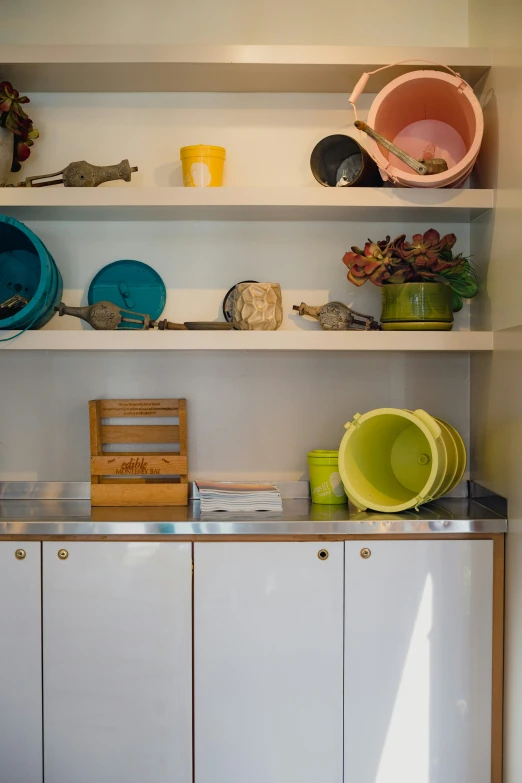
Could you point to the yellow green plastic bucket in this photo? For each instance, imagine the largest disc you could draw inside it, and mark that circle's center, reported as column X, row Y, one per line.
column 391, row 459
column 451, row 458
column 326, row 486
column 461, row 456
column 202, row 165
column 456, row 456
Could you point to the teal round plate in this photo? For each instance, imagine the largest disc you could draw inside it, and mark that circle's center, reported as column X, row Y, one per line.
column 132, row 285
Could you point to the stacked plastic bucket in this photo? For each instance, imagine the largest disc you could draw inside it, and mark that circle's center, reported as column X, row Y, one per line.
column 392, row 459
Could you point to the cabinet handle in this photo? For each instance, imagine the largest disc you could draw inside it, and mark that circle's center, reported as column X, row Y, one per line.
column 366, row 553
column 323, row 554
column 20, row 554
column 63, row 554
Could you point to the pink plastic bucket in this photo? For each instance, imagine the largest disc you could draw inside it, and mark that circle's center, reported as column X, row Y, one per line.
column 427, row 111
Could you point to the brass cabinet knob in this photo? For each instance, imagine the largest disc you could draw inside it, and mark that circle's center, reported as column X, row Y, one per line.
column 323, row 554
column 20, row 554
column 366, row 553
column 63, row 554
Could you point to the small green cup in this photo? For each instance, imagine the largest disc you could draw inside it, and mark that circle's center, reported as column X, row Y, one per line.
column 326, row 485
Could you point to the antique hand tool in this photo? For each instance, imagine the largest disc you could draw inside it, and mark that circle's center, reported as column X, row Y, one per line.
column 427, row 165
column 81, row 174
column 338, row 317
column 107, row 315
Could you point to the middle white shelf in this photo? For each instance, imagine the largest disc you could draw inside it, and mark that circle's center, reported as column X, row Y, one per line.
column 90, row 340
column 246, row 203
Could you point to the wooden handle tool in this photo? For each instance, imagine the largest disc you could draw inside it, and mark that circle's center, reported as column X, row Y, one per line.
column 433, row 166
column 107, row 315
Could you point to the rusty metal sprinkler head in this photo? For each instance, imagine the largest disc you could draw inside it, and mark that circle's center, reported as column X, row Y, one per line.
column 81, row 174
column 338, row 317
column 106, row 315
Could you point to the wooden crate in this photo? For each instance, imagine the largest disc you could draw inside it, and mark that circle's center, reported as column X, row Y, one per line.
column 148, row 478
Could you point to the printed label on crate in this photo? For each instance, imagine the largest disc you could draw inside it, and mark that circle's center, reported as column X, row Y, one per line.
column 119, row 408
column 135, row 467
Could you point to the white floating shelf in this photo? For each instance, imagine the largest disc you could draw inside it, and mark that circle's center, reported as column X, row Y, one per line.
column 90, row 340
column 221, row 68
column 245, row 203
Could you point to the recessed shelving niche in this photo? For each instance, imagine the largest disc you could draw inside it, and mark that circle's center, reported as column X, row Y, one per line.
column 239, row 69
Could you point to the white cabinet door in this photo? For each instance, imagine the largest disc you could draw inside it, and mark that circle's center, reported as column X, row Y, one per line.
column 268, row 665
column 20, row 663
column 118, row 662
column 418, row 659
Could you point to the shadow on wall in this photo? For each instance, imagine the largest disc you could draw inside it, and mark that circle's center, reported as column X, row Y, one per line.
column 485, row 175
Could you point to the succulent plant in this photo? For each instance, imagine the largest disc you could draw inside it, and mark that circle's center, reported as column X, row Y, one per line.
column 428, row 257
column 14, row 119
column 369, row 264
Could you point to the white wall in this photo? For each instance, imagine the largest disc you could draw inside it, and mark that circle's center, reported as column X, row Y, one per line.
column 234, row 21
column 497, row 378
column 249, row 416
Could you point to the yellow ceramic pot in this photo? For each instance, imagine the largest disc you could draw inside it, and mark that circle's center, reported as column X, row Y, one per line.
column 203, row 166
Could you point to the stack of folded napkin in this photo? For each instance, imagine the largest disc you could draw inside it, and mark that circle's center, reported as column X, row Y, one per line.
column 233, row 496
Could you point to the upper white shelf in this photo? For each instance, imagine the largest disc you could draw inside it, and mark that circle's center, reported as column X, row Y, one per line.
column 221, row 68
column 245, row 203
column 90, row 340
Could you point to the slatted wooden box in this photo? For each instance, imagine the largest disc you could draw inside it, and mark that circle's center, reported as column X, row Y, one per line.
column 130, row 477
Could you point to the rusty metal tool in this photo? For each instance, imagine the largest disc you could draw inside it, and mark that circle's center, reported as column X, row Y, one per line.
column 107, row 315
column 423, row 166
column 338, row 317
column 81, row 174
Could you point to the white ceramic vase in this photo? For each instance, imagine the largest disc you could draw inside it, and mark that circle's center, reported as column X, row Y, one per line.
column 258, row 306
column 6, row 155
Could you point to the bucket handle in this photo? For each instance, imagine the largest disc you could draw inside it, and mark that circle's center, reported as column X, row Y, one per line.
column 363, row 81
column 14, row 336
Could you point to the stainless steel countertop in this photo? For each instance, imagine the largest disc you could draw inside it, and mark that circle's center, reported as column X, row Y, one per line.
column 73, row 517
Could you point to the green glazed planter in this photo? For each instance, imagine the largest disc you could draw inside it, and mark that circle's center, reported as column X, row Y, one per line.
column 417, row 307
